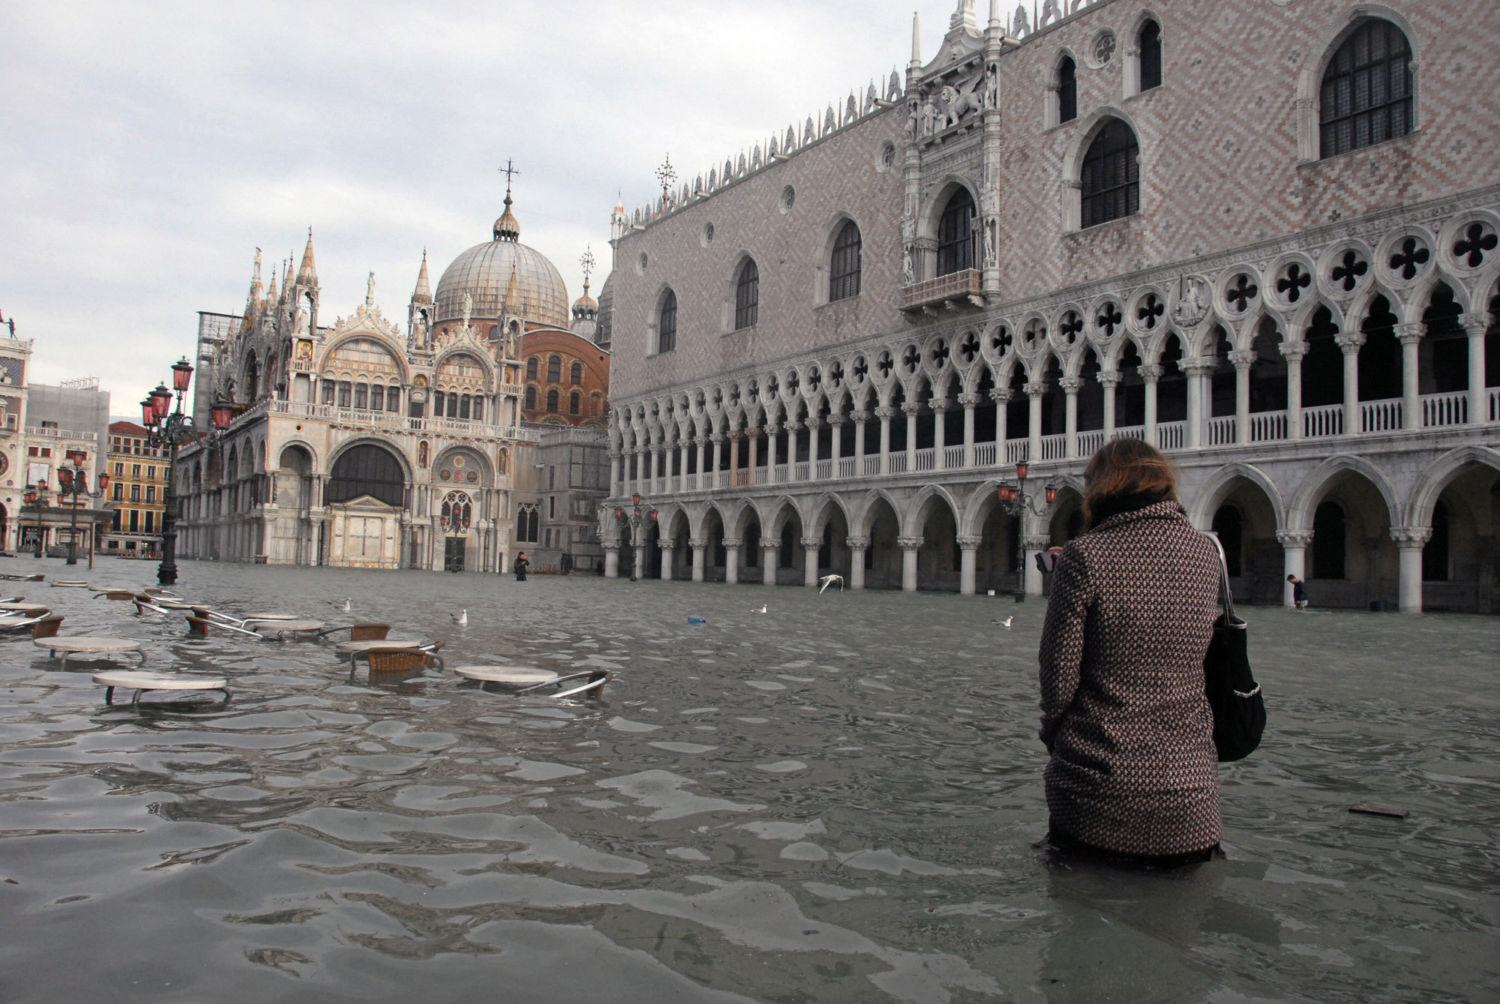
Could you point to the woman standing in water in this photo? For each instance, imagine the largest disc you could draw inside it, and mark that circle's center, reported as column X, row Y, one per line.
column 520, row 566
column 1133, row 776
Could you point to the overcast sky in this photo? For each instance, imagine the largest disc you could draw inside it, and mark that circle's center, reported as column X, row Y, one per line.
column 149, row 148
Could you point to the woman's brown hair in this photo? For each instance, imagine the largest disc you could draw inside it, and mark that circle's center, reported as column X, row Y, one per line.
column 1125, row 474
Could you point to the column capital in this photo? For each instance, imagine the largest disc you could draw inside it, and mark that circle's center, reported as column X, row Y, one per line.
column 1292, row 352
column 731, row 543
column 967, row 401
column 911, row 409
column 1198, row 367
column 1349, row 342
column 610, row 545
column 1411, row 536
column 1108, row 378
column 856, row 543
column 909, row 543
column 1035, row 388
column 812, row 543
column 884, row 412
column 698, row 543
column 813, row 422
column 1294, row 538
column 1036, row 541
column 1151, row 373
column 835, row 420
column 1070, row 385
column 772, row 428
column 717, row 438
column 862, row 415
column 667, row 544
column 939, row 405
column 614, row 453
column 1242, row 358
column 1000, row 395
column 1474, row 324
column 969, row 543
column 1410, row 333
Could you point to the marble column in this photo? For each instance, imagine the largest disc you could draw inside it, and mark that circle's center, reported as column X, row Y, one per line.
column 939, row 408
column 910, row 546
column 911, row 408
column 734, row 461
column 1109, row 380
column 857, row 547
column 1294, row 560
column 967, row 402
column 810, row 548
column 668, row 548
column 792, row 426
column 768, row 555
column 751, row 477
column 1070, row 386
column 731, row 561
column 1034, row 391
column 700, row 553
column 813, row 423
column 682, row 463
column 1033, row 544
column 861, row 418
column 1199, row 406
column 1474, row 327
column 1149, row 375
column 713, row 476
column 616, row 487
column 1409, row 543
column 968, row 548
column 1293, row 352
column 884, row 414
column 1410, row 336
column 836, row 445
column 1349, row 344
column 1242, row 362
column 771, row 454
column 1001, row 397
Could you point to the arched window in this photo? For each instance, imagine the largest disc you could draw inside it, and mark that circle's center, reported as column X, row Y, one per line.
column 956, row 234
column 457, row 512
column 530, row 398
column 463, row 406
column 575, row 403
column 552, row 401
column 554, row 369
column 576, row 375
column 1111, row 176
column 747, row 295
column 1067, row 90
column 346, row 390
column 1149, row 42
column 393, row 398
column 367, row 470
column 1328, row 541
column 666, row 323
column 1366, row 97
column 532, row 368
column 361, row 396
column 844, row 266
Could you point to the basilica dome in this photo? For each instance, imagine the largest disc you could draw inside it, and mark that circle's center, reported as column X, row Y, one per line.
column 485, row 272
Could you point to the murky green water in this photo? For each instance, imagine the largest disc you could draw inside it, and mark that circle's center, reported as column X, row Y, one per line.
column 836, row 800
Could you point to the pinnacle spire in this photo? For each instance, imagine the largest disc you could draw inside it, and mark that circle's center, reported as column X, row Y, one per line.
column 916, row 39
column 256, row 290
column 271, row 293
column 507, row 227
column 307, row 275
column 423, row 292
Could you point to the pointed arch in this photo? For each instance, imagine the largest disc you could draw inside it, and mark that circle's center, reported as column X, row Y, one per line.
column 1212, row 493
column 1316, row 483
column 1438, row 475
column 914, row 516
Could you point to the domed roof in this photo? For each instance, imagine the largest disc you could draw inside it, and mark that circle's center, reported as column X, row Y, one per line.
column 484, row 271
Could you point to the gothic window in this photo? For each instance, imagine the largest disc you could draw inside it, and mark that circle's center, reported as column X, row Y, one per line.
column 437, row 403
column 1111, row 180
column 1067, row 90
column 457, row 512
column 956, row 234
column 575, row 403
column 328, row 388
column 463, row 406
column 367, row 470
column 1366, row 96
column 533, row 367
column 552, row 401
column 393, row 398
column 361, row 396
column 1149, row 41
column 844, row 267
column 666, row 323
column 554, row 369
column 747, row 295
column 576, row 375
column 530, row 398
column 346, row 392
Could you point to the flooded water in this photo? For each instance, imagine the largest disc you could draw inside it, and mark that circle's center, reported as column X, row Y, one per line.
column 836, row 800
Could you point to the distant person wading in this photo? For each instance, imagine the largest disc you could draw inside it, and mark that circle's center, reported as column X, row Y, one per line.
column 1133, row 775
column 520, row 566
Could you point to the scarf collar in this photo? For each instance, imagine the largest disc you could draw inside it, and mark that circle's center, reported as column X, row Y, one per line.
column 1127, row 508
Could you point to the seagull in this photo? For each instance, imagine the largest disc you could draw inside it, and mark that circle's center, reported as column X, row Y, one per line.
column 461, row 618
column 762, row 609
column 1006, row 623
column 345, row 606
column 829, row 580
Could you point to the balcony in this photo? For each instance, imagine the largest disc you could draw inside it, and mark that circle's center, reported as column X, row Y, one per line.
column 953, row 291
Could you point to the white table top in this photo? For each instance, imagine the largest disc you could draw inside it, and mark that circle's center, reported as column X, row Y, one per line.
column 510, row 676
column 136, row 680
column 25, row 608
column 70, row 584
column 280, row 626
column 85, row 643
column 272, row 617
column 353, row 647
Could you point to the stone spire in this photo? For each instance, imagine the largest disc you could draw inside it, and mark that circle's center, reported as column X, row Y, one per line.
column 916, row 39
column 307, row 275
column 271, row 294
column 257, row 292
column 963, row 17
column 995, row 19
column 423, row 292
column 513, row 292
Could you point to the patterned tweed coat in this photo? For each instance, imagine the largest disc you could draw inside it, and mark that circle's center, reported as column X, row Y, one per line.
column 1124, row 716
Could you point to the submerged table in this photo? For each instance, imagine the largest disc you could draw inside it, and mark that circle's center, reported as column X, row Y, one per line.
column 84, row 645
column 507, row 676
column 283, row 626
column 142, row 682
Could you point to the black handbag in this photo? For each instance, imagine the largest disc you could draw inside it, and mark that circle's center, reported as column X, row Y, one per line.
column 1238, row 707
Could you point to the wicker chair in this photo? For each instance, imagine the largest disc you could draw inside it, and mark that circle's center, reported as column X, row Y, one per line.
column 46, row 627
column 360, row 632
column 409, row 660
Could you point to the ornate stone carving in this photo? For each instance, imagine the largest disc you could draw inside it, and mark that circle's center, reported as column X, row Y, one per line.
column 1411, row 536
column 1294, row 538
column 909, row 543
column 1192, row 302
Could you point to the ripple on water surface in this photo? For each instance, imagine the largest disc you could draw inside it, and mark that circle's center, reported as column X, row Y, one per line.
column 835, row 800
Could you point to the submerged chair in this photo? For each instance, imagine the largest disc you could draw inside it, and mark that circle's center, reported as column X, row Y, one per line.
column 41, row 626
column 198, row 627
column 115, row 594
column 359, row 632
column 389, row 662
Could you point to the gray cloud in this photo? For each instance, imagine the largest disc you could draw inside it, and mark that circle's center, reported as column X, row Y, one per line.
column 150, row 147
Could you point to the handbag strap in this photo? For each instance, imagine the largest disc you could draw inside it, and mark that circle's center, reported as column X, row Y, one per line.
column 1226, row 597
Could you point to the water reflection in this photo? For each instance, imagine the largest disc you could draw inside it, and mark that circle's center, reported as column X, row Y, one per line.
column 835, row 800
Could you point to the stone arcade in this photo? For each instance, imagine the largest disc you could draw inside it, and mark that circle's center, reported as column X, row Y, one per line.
column 1260, row 235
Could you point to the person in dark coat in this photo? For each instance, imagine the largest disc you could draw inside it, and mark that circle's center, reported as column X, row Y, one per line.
column 520, row 566
column 1133, row 775
column 1299, row 592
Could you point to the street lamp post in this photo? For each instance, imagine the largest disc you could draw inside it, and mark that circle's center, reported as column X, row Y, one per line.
column 1016, row 501
column 168, row 426
column 73, row 485
column 637, row 514
column 35, row 497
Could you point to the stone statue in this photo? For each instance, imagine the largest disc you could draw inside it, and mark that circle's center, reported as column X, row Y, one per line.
column 908, row 269
column 300, row 320
column 929, row 116
column 911, row 122
column 370, row 289
column 468, row 307
column 960, row 101
column 991, row 87
column 1190, row 309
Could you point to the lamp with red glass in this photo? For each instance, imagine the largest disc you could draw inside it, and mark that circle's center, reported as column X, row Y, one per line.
column 148, row 413
column 182, row 375
column 161, row 402
column 221, row 414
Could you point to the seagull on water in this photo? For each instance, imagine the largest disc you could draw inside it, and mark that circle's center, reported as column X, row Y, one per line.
column 829, row 580
column 762, row 609
column 1006, row 623
column 345, row 606
column 461, row 618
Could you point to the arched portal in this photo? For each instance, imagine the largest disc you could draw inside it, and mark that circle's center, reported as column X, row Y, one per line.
column 1352, row 560
column 882, row 555
column 1461, row 559
column 366, row 494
